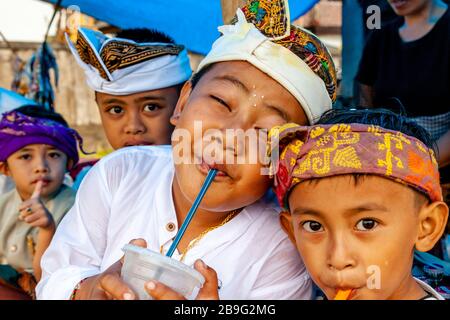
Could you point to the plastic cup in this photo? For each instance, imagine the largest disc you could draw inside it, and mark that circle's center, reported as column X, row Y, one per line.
column 141, row 265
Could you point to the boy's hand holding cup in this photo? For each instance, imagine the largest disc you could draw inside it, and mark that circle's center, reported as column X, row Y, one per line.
column 34, row 212
column 209, row 291
column 109, row 285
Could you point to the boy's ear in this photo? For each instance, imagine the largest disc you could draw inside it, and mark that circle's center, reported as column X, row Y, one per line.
column 286, row 225
column 433, row 220
column 4, row 168
column 182, row 100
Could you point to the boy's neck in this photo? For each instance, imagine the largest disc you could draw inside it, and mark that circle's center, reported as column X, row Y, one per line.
column 421, row 23
column 428, row 16
column 409, row 289
column 201, row 221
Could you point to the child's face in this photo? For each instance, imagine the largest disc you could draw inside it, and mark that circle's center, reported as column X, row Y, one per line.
column 408, row 7
column 231, row 95
column 138, row 119
column 351, row 236
column 37, row 162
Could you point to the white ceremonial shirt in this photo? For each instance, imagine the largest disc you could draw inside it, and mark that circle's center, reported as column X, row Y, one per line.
column 128, row 195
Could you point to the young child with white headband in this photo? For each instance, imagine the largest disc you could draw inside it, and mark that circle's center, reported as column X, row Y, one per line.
column 254, row 78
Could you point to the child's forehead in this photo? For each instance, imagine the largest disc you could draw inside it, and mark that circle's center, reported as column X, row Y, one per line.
column 243, row 71
column 352, row 191
column 38, row 147
column 353, row 182
column 158, row 94
column 248, row 82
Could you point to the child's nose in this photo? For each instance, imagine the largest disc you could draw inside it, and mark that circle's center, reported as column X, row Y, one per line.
column 134, row 125
column 41, row 165
column 340, row 256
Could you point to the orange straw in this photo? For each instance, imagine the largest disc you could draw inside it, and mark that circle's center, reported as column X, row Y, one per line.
column 342, row 294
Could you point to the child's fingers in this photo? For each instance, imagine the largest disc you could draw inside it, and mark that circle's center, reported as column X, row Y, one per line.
column 210, row 290
column 40, row 222
column 161, row 292
column 37, row 190
column 26, row 204
column 25, row 212
column 33, row 217
column 29, row 210
column 114, row 286
column 137, row 242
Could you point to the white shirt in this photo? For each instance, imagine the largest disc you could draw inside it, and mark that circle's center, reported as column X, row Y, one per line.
column 432, row 294
column 128, row 195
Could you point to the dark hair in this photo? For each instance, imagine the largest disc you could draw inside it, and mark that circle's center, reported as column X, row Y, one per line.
column 141, row 35
column 378, row 117
column 40, row 112
column 197, row 76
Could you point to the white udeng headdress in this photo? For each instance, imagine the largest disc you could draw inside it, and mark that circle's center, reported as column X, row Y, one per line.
column 298, row 60
column 120, row 66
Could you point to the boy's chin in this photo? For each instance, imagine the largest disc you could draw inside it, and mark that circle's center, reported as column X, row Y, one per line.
column 212, row 203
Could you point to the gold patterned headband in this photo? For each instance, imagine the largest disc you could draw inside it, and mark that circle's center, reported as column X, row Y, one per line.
column 328, row 150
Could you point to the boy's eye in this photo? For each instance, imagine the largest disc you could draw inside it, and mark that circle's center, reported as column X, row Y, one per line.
column 25, row 157
column 312, row 226
column 151, row 107
column 115, row 110
column 54, row 155
column 223, row 103
column 366, row 224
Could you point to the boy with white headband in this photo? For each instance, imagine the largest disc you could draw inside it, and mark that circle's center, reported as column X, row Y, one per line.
column 261, row 73
column 137, row 77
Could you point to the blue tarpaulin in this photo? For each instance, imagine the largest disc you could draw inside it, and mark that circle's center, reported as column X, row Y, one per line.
column 190, row 22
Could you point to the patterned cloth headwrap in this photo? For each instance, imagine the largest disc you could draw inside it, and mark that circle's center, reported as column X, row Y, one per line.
column 310, row 152
column 121, row 67
column 18, row 130
column 261, row 34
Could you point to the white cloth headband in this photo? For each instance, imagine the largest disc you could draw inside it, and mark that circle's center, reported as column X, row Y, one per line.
column 243, row 41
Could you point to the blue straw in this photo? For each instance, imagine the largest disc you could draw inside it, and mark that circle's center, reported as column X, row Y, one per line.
column 209, row 178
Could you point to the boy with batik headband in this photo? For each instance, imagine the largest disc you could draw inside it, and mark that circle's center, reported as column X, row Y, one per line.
column 251, row 80
column 35, row 153
column 362, row 190
column 137, row 77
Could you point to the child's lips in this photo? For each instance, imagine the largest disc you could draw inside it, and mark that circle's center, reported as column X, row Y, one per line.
column 133, row 143
column 45, row 181
column 399, row 3
column 221, row 170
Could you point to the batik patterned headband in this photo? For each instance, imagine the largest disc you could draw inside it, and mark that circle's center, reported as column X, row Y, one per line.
column 271, row 18
column 118, row 54
column 121, row 67
column 309, row 152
